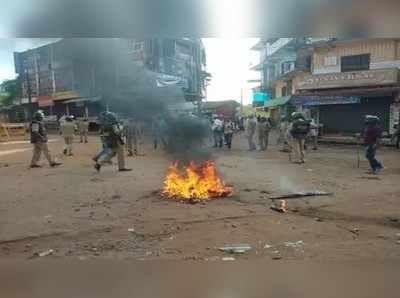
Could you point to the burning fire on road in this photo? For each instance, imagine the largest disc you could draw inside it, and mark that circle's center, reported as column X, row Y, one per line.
column 194, row 183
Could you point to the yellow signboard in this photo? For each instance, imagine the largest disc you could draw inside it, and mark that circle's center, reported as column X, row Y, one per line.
column 65, row 95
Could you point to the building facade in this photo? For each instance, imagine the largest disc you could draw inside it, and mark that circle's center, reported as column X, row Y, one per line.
column 349, row 79
column 280, row 71
column 84, row 76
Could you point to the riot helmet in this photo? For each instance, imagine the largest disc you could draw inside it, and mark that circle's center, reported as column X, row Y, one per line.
column 297, row 116
column 371, row 119
column 38, row 116
column 108, row 118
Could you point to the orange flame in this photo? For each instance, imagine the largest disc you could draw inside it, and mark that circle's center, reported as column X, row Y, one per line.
column 194, row 183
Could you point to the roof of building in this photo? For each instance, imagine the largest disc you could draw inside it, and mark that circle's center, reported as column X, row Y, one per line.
column 260, row 45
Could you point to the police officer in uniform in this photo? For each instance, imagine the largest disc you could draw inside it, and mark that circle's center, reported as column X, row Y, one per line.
column 299, row 130
column 83, row 126
column 112, row 133
column 39, row 140
column 68, row 130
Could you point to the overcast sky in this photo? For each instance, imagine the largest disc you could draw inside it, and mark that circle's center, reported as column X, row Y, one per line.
column 228, row 60
column 10, row 45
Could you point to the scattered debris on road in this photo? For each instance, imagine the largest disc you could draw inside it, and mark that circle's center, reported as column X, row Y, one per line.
column 236, row 248
column 301, row 195
column 297, row 244
column 281, row 208
column 43, row 253
column 276, row 257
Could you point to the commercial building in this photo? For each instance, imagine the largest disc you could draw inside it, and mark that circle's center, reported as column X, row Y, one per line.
column 337, row 82
column 349, row 79
column 279, row 73
column 84, row 76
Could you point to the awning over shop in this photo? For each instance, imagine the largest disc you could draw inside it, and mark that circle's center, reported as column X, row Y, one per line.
column 276, row 102
column 84, row 99
column 316, row 100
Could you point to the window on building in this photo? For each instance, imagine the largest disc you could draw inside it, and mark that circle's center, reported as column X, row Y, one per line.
column 287, row 66
column 330, row 61
column 355, row 63
column 284, row 91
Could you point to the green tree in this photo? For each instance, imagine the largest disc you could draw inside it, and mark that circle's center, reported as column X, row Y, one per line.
column 9, row 90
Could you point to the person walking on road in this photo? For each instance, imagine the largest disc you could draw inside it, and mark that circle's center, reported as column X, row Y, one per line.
column 229, row 128
column 218, row 131
column 251, row 124
column 112, row 133
column 83, row 127
column 39, row 140
column 299, row 129
column 372, row 134
column 68, row 129
column 282, row 139
column 313, row 136
column 263, row 128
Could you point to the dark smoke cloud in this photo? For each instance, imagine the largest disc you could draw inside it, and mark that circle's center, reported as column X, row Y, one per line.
column 186, row 137
column 141, row 98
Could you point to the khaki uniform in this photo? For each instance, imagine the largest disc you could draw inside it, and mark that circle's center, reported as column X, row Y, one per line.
column 38, row 135
column 38, row 148
column 83, row 127
column 68, row 131
column 119, row 151
column 131, row 133
column 250, row 132
column 298, row 149
column 263, row 134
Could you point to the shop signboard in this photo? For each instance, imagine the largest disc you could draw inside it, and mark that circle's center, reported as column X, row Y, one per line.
column 65, row 95
column 260, row 97
column 315, row 100
column 350, row 79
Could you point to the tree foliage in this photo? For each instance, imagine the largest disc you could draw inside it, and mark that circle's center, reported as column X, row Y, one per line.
column 9, row 90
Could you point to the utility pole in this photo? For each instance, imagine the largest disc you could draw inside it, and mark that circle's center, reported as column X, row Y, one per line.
column 29, row 92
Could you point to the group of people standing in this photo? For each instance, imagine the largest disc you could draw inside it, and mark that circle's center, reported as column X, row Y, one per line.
column 260, row 127
column 222, row 131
